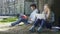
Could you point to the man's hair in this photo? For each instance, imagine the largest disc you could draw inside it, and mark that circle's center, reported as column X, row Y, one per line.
column 34, row 5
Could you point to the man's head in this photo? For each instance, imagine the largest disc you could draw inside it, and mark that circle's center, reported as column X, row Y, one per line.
column 33, row 6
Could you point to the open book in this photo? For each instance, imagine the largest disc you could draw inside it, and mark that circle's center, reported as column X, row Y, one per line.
column 40, row 16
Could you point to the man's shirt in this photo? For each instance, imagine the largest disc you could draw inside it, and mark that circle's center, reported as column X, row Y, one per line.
column 33, row 14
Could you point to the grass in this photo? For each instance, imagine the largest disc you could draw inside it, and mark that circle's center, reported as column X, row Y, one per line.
column 11, row 19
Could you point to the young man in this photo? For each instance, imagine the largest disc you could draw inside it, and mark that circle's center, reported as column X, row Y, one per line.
column 30, row 19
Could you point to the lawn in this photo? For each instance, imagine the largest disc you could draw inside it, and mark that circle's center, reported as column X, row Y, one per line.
column 7, row 20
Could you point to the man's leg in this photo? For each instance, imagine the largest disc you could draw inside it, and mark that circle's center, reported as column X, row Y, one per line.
column 32, row 29
column 41, row 25
column 25, row 21
column 18, row 21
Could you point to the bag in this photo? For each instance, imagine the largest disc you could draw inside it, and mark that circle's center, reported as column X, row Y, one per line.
column 24, row 16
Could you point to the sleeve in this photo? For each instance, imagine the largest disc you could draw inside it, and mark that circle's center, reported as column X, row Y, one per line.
column 32, row 16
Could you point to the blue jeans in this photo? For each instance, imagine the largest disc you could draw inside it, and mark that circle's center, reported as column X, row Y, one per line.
column 41, row 23
column 19, row 21
column 38, row 22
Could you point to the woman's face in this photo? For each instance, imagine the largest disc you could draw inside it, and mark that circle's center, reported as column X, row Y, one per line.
column 45, row 7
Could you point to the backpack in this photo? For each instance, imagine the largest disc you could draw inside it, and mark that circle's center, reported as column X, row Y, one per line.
column 52, row 17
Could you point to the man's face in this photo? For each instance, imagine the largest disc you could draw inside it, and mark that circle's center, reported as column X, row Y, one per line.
column 32, row 7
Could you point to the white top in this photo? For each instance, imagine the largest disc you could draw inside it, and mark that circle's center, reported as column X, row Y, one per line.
column 33, row 14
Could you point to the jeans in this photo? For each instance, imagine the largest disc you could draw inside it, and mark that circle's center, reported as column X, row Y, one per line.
column 41, row 23
column 19, row 21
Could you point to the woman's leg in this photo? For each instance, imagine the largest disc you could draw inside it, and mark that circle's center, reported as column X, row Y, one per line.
column 48, row 25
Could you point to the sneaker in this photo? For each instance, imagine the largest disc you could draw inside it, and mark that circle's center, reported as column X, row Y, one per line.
column 39, row 30
column 32, row 29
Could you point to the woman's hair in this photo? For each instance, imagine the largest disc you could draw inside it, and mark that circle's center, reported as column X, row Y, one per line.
column 47, row 7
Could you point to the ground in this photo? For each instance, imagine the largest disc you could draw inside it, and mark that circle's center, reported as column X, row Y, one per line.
column 22, row 29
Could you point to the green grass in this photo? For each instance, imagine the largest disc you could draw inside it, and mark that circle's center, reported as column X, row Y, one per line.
column 11, row 19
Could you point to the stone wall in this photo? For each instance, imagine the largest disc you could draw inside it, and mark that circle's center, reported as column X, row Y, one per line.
column 42, row 2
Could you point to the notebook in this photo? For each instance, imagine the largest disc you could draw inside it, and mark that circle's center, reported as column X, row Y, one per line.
column 40, row 16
